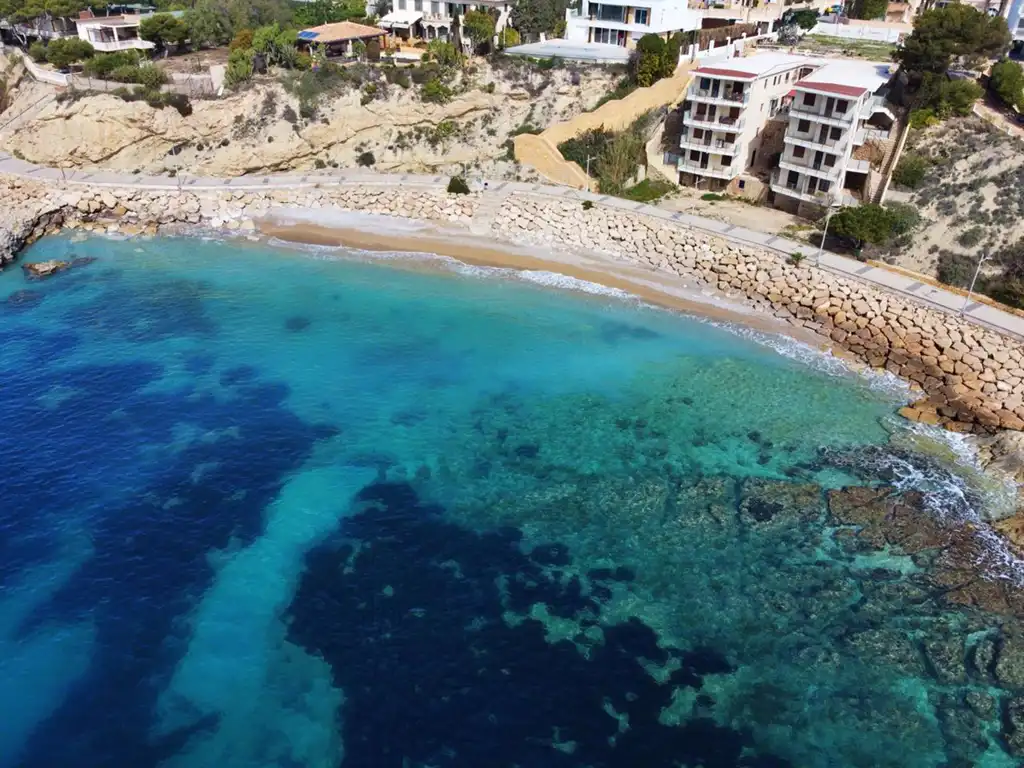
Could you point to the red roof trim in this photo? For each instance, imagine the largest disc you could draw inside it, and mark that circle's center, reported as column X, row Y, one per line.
column 845, row 90
column 726, row 72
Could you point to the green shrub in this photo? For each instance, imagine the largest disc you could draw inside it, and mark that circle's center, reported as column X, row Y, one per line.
column 445, row 54
column 102, row 65
column 435, row 92
column 589, row 144
column 366, row 159
column 713, row 197
column 648, row 190
column 37, row 51
column 923, row 118
column 971, row 237
column 66, row 51
column 588, row 204
column 458, row 186
column 150, row 76
column 955, row 269
column 239, row 69
column 319, row 164
column 795, row 258
column 911, row 170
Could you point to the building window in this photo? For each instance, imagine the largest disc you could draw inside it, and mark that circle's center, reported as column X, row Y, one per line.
column 742, row 184
column 799, row 151
column 417, row 5
column 830, row 160
column 726, row 160
column 841, row 106
column 705, row 83
column 803, row 126
column 401, row 5
column 730, row 138
column 835, row 134
column 640, row 16
column 793, row 178
column 694, row 155
column 698, row 133
column 809, row 99
column 823, row 185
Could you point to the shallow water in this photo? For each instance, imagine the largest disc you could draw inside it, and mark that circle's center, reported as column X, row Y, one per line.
column 266, row 509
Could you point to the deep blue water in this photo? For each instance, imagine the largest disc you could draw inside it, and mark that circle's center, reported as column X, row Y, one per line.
column 263, row 509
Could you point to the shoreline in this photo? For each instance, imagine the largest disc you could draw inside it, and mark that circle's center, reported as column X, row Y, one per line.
column 650, row 286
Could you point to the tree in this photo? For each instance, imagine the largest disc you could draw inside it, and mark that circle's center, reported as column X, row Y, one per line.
column 208, row 24
column 239, row 68
column 868, row 9
column 806, row 18
column 945, row 97
column 241, row 40
column 162, row 29
column 911, row 170
column 479, row 26
column 531, row 17
column 445, row 54
column 1007, row 82
column 64, row 52
column 954, row 34
column 619, row 161
column 871, row 223
column 653, row 59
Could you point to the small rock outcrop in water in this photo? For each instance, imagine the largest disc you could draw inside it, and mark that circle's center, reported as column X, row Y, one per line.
column 41, row 269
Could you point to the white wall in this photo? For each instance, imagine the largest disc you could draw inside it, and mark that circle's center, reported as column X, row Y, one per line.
column 882, row 34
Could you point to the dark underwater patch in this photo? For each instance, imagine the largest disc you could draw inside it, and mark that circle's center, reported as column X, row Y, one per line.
column 433, row 674
column 297, row 323
column 615, row 333
column 150, row 553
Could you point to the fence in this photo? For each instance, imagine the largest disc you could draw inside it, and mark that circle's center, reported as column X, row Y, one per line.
column 193, row 85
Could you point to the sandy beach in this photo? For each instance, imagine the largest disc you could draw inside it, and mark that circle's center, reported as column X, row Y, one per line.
column 366, row 232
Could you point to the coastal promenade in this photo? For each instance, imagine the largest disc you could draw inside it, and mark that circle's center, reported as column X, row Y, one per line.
column 975, row 312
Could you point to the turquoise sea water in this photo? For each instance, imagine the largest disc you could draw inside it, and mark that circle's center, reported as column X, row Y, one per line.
column 264, row 508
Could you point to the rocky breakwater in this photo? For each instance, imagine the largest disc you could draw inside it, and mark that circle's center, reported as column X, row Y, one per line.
column 32, row 209
column 28, row 210
column 972, row 380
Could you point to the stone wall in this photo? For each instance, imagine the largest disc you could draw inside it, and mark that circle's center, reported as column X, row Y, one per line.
column 973, row 379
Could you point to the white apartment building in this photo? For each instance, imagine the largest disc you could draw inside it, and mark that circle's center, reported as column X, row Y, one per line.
column 835, row 110
column 727, row 107
column 623, row 24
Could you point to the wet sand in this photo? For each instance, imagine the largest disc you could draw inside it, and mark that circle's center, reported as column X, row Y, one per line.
column 658, row 288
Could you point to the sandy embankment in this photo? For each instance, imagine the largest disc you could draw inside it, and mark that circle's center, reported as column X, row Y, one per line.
column 381, row 233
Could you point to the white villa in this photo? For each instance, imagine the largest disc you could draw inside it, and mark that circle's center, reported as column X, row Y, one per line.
column 623, row 24
column 433, row 19
column 112, row 33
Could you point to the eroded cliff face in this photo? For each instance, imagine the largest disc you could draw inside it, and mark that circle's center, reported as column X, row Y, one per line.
column 259, row 129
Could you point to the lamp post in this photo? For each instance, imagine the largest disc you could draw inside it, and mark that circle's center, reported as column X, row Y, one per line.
column 589, row 158
column 832, row 206
column 974, row 279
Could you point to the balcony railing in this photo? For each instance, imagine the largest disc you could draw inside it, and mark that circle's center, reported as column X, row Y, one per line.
column 815, row 141
column 814, row 168
column 717, row 95
column 831, row 116
column 707, row 168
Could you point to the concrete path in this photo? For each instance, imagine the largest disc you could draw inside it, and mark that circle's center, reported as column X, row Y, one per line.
column 976, row 312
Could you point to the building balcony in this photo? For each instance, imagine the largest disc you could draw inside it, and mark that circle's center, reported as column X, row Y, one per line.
column 716, row 96
column 837, row 119
column 714, row 122
column 837, row 146
column 709, row 169
column 682, row 20
column 800, row 190
column 716, row 146
column 864, row 135
column 134, row 44
column 858, row 166
column 819, row 170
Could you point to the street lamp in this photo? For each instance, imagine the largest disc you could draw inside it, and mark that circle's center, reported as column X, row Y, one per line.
column 974, row 279
column 589, row 158
column 832, row 207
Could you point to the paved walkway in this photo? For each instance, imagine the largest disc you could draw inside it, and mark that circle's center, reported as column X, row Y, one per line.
column 976, row 312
